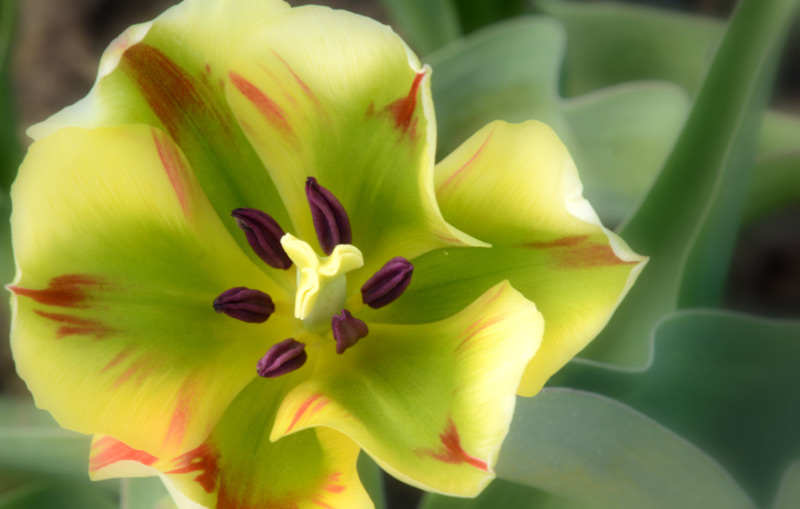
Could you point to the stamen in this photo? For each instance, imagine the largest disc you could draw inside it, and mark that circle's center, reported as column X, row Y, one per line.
column 388, row 284
column 330, row 219
column 264, row 236
column 347, row 330
column 252, row 306
column 282, row 358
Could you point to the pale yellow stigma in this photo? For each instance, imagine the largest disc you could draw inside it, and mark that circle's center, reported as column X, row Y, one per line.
column 321, row 285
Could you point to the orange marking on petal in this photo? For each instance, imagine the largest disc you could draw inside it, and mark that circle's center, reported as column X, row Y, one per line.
column 403, row 109
column 67, row 291
column 297, row 78
column 74, row 325
column 180, row 416
column 453, row 453
column 137, row 366
column 107, row 451
column 477, row 327
column 201, row 459
column 226, row 500
column 300, row 411
column 334, row 488
column 117, row 359
column 319, row 406
column 320, row 503
column 577, row 253
column 268, row 108
column 464, row 169
column 562, row 242
column 176, row 171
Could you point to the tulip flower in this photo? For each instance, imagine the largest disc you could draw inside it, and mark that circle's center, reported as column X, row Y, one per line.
column 238, row 264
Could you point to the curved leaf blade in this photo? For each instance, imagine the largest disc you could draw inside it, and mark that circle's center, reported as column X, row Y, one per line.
column 581, row 444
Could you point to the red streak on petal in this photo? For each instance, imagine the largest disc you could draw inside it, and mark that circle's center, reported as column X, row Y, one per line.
column 300, row 411
column 453, row 453
column 576, row 253
column 477, row 327
column 562, row 242
column 137, row 366
column 187, row 395
column 320, row 503
column 202, row 459
column 297, row 78
column 463, row 170
column 168, row 89
column 76, row 326
column 268, row 108
column 64, row 291
column 229, row 501
column 319, row 406
column 176, row 171
column 117, row 359
column 403, row 109
column 591, row 255
column 334, row 488
column 107, row 451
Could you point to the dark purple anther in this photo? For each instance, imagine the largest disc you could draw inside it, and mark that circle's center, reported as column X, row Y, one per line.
column 389, row 283
column 244, row 304
column 347, row 330
column 330, row 218
column 264, row 236
column 282, row 358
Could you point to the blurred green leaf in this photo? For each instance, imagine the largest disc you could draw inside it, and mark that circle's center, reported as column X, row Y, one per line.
column 620, row 135
column 9, row 146
column 789, row 492
column 726, row 382
column 18, row 412
column 426, row 25
column 55, row 495
column 612, row 43
column 503, row 494
column 34, row 448
column 775, row 186
column 372, row 478
column 689, row 220
column 144, row 493
column 585, row 445
column 476, row 14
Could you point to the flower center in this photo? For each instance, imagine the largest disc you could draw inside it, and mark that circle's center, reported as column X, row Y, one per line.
column 321, row 282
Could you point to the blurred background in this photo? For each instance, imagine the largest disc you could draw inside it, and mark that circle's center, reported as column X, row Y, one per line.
column 53, row 47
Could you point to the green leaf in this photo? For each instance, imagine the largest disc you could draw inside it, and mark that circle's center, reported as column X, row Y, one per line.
column 56, row 495
column 34, row 448
column 502, row 494
column 476, row 14
column 724, row 381
column 689, row 220
column 775, row 186
column 611, row 43
column 144, row 493
column 424, row 24
column 9, row 145
column 371, row 477
column 789, row 492
column 619, row 136
column 585, row 445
